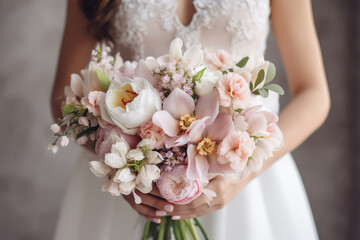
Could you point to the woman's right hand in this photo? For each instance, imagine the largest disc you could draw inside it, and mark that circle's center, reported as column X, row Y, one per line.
column 152, row 205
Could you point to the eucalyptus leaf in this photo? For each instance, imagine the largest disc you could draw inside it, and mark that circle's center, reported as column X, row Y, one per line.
column 275, row 88
column 271, row 72
column 259, row 78
column 264, row 92
column 103, row 79
column 242, row 62
column 197, row 77
column 251, row 86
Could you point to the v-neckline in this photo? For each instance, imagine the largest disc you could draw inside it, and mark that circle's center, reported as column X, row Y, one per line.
column 177, row 18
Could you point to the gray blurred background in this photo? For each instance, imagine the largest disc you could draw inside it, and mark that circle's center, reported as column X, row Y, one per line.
column 33, row 181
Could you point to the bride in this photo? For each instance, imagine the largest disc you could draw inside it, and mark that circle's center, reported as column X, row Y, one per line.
column 271, row 204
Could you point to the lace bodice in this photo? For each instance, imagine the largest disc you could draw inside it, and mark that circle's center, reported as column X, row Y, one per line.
column 146, row 27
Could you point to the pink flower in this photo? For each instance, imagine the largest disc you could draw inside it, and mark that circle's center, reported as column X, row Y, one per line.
column 218, row 59
column 176, row 188
column 149, row 130
column 105, row 138
column 202, row 154
column 235, row 149
column 178, row 116
column 92, row 101
column 128, row 69
column 233, row 90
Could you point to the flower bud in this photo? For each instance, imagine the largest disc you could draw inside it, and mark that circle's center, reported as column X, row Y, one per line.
column 64, row 141
column 55, row 128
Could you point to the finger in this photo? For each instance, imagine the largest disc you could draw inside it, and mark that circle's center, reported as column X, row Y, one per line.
column 140, row 208
column 200, row 212
column 155, row 220
column 155, row 191
column 155, row 202
column 191, row 206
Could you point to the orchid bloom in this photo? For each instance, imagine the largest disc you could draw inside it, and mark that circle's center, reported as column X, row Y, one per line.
column 202, row 154
column 180, row 115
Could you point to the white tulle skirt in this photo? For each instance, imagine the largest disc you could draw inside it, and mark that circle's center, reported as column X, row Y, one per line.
column 272, row 206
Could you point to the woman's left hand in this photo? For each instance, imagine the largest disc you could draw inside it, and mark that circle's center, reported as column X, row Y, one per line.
column 225, row 192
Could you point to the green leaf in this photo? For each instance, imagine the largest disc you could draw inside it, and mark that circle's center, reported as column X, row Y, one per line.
column 264, row 92
column 103, row 79
column 275, row 88
column 242, row 62
column 239, row 110
column 259, row 78
column 197, row 77
column 271, row 72
column 251, row 86
column 69, row 108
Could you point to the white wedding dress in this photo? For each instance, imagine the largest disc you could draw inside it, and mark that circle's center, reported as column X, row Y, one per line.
column 272, row 206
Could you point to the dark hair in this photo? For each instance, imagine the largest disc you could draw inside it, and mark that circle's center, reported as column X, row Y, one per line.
column 100, row 13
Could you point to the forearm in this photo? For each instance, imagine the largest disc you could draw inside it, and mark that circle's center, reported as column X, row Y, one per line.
column 306, row 112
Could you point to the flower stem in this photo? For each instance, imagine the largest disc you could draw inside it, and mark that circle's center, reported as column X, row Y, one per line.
column 201, row 228
column 162, row 228
column 191, row 229
column 146, row 230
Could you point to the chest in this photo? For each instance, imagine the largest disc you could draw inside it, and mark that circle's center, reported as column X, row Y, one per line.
column 144, row 27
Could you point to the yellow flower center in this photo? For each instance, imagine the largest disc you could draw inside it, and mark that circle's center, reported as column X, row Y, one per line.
column 185, row 121
column 206, row 146
column 123, row 95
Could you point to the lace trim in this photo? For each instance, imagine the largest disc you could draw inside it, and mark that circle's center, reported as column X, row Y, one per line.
column 247, row 19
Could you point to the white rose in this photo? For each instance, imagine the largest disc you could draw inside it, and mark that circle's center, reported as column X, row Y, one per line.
column 208, row 81
column 131, row 102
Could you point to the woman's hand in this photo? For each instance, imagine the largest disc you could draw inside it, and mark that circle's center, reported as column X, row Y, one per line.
column 153, row 206
column 225, row 192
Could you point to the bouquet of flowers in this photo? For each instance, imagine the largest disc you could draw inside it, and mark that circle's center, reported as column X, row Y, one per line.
column 174, row 121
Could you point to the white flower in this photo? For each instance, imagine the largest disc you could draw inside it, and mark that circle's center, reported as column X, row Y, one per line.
column 135, row 154
column 208, row 81
column 99, row 169
column 53, row 148
column 146, row 176
column 55, row 128
column 82, row 140
column 153, row 157
column 192, row 57
column 84, row 121
column 117, row 157
column 131, row 102
column 127, row 187
column 64, row 141
column 124, row 175
column 112, row 187
column 150, row 143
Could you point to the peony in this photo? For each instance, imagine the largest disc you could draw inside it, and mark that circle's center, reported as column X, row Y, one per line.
column 218, row 59
column 235, row 149
column 208, row 81
column 176, row 188
column 131, row 102
column 150, row 130
column 233, row 90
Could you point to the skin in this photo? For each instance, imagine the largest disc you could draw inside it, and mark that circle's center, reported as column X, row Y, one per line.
column 293, row 25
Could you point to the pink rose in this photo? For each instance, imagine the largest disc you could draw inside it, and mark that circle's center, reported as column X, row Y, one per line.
column 236, row 148
column 105, row 138
column 233, row 90
column 92, row 101
column 176, row 188
column 149, row 130
column 218, row 59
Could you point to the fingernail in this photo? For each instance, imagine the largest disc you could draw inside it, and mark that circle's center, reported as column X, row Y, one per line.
column 169, row 208
column 160, row 213
column 175, row 217
column 157, row 220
